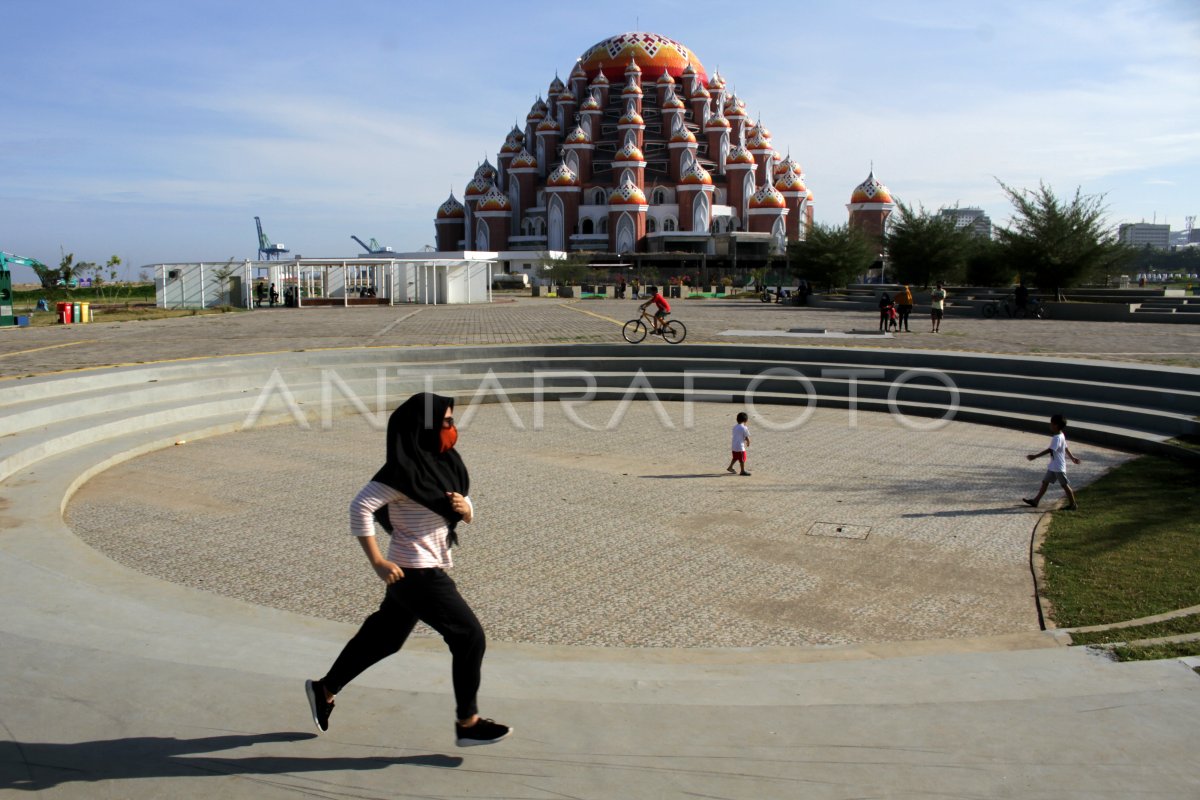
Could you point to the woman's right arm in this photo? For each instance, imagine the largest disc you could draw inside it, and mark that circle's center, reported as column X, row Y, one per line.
column 362, row 525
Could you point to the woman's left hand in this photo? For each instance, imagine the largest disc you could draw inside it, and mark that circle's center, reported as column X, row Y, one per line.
column 460, row 505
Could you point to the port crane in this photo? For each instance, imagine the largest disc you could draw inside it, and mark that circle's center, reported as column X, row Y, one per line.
column 374, row 248
column 266, row 248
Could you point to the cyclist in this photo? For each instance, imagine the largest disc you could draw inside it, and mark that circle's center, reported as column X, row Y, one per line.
column 660, row 315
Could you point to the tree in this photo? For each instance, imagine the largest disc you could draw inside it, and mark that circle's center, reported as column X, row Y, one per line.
column 221, row 278
column 1059, row 243
column 988, row 264
column 831, row 256
column 573, row 269
column 924, row 248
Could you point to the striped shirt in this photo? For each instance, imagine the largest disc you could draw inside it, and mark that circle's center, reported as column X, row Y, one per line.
column 419, row 536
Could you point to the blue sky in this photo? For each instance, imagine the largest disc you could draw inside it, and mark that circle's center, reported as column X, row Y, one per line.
column 158, row 130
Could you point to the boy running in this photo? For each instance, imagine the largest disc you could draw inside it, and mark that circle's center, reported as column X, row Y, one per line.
column 741, row 441
column 1056, row 472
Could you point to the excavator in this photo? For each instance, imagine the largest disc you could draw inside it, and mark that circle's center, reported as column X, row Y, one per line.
column 6, row 296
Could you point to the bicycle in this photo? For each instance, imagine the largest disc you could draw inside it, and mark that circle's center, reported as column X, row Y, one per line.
column 673, row 331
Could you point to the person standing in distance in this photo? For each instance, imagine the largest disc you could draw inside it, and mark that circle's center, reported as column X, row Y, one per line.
column 741, row 443
column 937, row 303
column 419, row 495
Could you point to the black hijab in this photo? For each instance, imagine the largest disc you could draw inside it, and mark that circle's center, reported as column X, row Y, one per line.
column 414, row 467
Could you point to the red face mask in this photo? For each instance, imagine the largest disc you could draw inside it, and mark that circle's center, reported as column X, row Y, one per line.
column 449, row 437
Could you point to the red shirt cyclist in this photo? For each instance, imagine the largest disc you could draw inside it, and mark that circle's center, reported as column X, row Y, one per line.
column 664, row 308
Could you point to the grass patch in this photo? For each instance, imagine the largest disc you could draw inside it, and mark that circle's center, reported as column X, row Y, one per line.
column 1134, row 549
column 1153, row 630
column 1153, row 652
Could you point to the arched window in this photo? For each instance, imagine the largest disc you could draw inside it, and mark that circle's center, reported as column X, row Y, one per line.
column 651, row 225
column 669, row 224
column 586, row 226
column 660, row 196
column 599, row 197
column 603, row 227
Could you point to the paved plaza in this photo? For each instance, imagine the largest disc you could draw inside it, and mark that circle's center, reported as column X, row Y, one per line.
column 548, row 320
column 856, row 619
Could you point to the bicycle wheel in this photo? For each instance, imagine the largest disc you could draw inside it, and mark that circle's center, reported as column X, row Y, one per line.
column 674, row 332
column 634, row 331
column 989, row 310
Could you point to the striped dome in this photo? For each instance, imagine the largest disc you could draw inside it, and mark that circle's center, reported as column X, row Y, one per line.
column 627, row 194
column 451, row 209
column 632, row 90
column 672, row 101
column 665, row 79
column 757, row 141
column 633, row 68
column 700, row 92
column 511, row 146
column 767, row 197
column 566, row 96
column 548, row 125
column 556, row 86
column 600, row 80
column 494, row 200
column 788, row 164
column 871, row 191
column 716, row 82
column 591, row 104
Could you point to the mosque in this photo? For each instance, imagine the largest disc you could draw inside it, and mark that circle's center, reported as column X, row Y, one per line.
column 640, row 156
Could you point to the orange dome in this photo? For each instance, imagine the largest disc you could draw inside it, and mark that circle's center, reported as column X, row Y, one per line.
column 562, row 176
column 716, row 121
column 578, row 136
column 451, row 209
column 494, row 200
column 627, row 194
column 739, row 155
column 524, row 160
column 629, row 154
column 790, row 182
column 631, row 117
column 632, row 90
column 767, row 197
column 697, row 175
column 477, row 188
column 649, row 51
column 548, row 125
column 683, row 135
column 871, row 191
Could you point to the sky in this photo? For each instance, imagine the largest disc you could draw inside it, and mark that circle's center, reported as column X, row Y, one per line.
column 157, row 131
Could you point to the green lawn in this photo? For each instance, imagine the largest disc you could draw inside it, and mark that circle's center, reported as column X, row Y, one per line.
column 1133, row 550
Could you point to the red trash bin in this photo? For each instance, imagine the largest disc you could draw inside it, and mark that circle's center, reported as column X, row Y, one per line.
column 64, row 312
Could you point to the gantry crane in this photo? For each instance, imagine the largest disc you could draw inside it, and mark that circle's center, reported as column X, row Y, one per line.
column 266, row 249
column 374, row 248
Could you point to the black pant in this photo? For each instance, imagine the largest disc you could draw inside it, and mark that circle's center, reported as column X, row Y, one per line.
column 428, row 595
column 904, row 311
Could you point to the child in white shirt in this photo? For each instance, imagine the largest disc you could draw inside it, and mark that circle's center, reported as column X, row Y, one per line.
column 1056, row 471
column 741, row 443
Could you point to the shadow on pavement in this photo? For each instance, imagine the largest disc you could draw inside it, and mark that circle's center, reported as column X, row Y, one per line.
column 35, row 766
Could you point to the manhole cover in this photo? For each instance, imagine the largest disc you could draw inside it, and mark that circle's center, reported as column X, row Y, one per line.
column 839, row 531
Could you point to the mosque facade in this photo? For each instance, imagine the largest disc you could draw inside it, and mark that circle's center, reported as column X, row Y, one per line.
column 639, row 151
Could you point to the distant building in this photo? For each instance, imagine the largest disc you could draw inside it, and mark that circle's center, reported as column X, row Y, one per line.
column 973, row 218
column 870, row 206
column 1141, row 234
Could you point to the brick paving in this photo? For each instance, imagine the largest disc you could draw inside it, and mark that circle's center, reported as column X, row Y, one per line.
column 624, row 537
column 525, row 319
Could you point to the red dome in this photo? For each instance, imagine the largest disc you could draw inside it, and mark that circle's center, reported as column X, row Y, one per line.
column 767, row 197
column 649, row 51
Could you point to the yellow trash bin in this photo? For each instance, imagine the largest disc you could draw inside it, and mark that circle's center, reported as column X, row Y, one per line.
column 85, row 312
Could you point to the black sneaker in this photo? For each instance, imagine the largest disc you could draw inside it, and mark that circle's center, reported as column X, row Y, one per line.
column 485, row 731
column 1029, row 502
column 321, row 708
